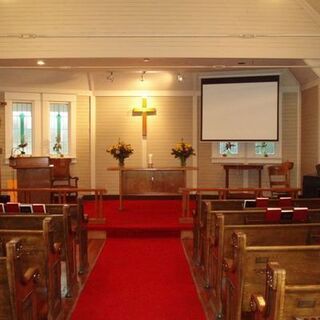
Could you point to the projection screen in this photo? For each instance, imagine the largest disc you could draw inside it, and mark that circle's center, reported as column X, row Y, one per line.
column 240, row 109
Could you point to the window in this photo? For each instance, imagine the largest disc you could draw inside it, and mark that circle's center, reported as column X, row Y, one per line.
column 22, row 127
column 59, row 127
column 59, row 124
column 23, row 123
column 265, row 149
column 228, row 147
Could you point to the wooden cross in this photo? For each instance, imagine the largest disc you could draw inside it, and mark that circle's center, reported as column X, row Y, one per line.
column 144, row 111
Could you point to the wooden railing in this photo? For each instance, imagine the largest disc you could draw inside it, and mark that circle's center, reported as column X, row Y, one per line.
column 223, row 193
column 61, row 195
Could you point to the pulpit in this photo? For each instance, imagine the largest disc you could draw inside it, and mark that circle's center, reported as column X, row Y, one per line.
column 33, row 172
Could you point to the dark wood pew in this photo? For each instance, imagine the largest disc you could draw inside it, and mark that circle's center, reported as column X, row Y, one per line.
column 40, row 249
column 17, row 285
column 79, row 225
column 289, row 294
column 221, row 245
column 246, row 272
column 63, row 234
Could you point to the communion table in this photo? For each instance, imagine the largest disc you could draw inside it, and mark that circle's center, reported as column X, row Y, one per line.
column 151, row 181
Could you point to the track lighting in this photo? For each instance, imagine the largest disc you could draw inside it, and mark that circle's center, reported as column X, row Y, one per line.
column 142, row 76
column 180, row 77
column 110, row 77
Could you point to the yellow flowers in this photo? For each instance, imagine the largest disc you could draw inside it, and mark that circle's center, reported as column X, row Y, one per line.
column 120, row 150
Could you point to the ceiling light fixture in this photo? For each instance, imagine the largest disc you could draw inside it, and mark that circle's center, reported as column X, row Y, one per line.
column 40, row 63
column 110, row 77
column 146, row 59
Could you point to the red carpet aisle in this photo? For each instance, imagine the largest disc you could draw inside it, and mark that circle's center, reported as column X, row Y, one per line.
column 153, row 215
column 140, row 279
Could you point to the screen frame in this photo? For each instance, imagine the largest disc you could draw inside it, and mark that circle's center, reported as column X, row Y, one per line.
column 241, row 79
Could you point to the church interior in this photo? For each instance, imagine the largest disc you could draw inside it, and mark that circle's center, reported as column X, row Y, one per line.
column 160, row 160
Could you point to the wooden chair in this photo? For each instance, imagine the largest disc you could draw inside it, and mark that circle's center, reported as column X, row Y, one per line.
column 279, row 177
column 61, row 177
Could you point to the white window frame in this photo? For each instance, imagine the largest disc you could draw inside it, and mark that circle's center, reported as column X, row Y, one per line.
column 35, row 100
column 63, row 98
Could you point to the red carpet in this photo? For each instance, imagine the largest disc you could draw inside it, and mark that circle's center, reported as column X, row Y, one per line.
column 140, row 279
column 147, row 215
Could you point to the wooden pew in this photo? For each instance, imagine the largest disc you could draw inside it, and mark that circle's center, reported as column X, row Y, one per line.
column 221, row 245
column 63, row 234
column 40, row 249
column 17, row 285
column 204, row 225
column 289, row 294
column 246, row 272
column 79, row 225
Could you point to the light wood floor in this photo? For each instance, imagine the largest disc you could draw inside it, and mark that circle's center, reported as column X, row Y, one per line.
column 94, row 248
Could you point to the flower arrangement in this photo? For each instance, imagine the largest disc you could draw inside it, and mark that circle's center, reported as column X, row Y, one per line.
column 18, row 151
column 182, row 151
column 58, row 146
column 120, row 151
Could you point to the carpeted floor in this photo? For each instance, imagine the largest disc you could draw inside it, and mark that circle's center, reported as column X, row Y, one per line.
column 147, row 215
column 140, row 279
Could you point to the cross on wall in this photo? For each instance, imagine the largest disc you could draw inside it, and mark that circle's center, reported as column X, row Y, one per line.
column 144, row 111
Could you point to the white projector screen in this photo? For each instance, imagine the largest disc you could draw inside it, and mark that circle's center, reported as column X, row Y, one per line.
column 240, row 109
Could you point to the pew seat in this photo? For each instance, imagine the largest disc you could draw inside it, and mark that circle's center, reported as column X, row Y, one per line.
column 287, row 297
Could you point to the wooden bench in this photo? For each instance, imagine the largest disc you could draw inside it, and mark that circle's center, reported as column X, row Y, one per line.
column 39, row 249
column 17, row 285
column 288, row 294
column 202, row 220
column 246, row 272
column 63, row 234
column 204, row 225
column 79, row 225
column 221, row 245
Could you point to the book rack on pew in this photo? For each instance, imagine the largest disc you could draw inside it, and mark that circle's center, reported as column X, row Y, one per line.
column 62, row 193
column 223, row 193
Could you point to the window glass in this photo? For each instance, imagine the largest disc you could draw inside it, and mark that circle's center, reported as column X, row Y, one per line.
column 59, row 127
column 229, row 147
column 265, row 148
column 22, row 127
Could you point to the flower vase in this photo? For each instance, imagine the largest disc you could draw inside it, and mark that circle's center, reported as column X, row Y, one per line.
column 121, row 162
column 183, row 162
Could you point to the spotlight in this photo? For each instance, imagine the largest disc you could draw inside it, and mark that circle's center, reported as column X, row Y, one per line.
column 146, row 59
column 142, row 76
column 110, row 77
column 180, row 77
column 40, row 63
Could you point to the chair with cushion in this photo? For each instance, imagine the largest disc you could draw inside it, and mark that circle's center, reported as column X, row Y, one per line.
column 279, row 176
column 61, row 177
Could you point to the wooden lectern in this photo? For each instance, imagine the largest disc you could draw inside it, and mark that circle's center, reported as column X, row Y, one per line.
column 33, row 172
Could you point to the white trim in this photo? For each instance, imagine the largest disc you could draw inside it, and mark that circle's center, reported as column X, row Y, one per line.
column 28, row 90
column 10, row 98
column 140, row 93
column 299, row 140
column 195, row 139
column 72, row 99
column 92, row 133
